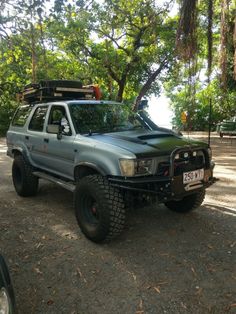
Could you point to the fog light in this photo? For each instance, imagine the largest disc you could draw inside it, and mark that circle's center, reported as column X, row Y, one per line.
column 194, row 154
column 185, row 155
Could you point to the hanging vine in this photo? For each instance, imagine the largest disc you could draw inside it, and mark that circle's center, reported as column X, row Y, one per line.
column 186, row 38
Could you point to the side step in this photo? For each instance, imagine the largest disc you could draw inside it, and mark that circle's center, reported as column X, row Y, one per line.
column 66, row 185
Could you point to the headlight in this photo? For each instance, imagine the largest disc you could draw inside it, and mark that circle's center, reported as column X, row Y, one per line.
column 144, row 166
column 4, row 302
column 132, row 167
column 127, row 167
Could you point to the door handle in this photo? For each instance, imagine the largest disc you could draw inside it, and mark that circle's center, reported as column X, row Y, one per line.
column 46, row 140
column 27, row 137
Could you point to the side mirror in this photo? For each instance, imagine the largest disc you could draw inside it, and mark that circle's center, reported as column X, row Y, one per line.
column 52, row 128
column 143, row 104
column 55, row 129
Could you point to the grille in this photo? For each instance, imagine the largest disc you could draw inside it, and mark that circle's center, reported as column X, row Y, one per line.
column 182, row 164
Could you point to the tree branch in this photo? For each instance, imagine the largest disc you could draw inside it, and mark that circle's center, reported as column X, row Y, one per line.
column 147, row 85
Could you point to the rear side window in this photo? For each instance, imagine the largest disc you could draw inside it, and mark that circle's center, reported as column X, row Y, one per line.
column 21, row 116
column 37, row 121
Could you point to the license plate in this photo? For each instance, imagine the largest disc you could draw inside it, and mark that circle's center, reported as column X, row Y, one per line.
column 193, row 176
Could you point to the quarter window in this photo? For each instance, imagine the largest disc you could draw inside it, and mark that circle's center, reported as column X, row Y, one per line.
column 37, row 121
column 21, row 116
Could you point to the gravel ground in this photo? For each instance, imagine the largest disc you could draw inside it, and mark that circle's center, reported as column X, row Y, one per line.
column 164, row 262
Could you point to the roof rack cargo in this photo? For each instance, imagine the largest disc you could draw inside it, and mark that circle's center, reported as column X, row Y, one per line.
column 50, row 90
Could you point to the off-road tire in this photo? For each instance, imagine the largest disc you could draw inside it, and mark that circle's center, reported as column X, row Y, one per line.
column 188, row 203
column 108, row 219
column 25, row 183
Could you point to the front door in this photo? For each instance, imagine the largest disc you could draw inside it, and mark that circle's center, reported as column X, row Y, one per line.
column 60, row 152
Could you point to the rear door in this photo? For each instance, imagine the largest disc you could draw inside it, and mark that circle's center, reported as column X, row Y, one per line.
column 35, row 135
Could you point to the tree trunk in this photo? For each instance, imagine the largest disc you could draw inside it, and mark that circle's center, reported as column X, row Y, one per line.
column 223, row 42
column 209, row 39
column 234, row 39
column 33, row 54
column 146, row 86
column 121, row 91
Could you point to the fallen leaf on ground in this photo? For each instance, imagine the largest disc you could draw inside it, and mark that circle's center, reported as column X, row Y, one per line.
column 199, row 291
column 140, row 308
column 38, row 245
column 183, row 305
column 157, row 289
column 162, row 283
column 210, row 246
column 194, row 272
column 50, row 302
column 38, row 271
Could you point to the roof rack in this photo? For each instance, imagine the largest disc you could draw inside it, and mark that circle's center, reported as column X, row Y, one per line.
column 50, row 90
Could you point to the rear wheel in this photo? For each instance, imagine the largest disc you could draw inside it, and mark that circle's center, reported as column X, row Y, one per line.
column 99, row 208
column 188, row 203
column 25, row 183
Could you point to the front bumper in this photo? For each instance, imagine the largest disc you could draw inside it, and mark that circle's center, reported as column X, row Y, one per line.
column 166, row 188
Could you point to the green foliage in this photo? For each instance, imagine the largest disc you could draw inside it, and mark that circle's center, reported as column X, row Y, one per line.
column 188, row 86
column 127, row 47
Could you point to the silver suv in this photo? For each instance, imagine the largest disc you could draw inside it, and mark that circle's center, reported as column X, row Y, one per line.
column 108, row 157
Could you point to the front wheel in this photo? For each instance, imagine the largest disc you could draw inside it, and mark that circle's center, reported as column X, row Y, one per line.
column 99, row 208
column 188, row 203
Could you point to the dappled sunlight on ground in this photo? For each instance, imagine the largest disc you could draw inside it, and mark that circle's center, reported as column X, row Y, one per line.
column 225, row 209
column 64, row 232
column 3, row 146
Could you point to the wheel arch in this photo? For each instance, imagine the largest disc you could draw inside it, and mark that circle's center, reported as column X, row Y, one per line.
column 84, row 169
column 17, row 151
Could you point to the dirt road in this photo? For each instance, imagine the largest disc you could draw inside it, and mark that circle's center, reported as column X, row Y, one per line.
column 163, row 263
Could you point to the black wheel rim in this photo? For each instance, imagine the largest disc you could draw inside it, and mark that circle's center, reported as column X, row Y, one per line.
column 90, row 210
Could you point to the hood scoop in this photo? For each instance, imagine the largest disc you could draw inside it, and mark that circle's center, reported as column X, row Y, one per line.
column 151, row 136
column 129, row 139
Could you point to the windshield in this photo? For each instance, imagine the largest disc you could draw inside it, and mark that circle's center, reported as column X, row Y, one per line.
column 103, row 118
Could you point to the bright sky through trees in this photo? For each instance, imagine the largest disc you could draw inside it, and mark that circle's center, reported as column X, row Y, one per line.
column 160, row 111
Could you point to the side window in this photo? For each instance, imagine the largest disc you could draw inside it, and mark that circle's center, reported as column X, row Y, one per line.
column 56, row 114
column 21, row 116
column 37, row 121
column 58, row 117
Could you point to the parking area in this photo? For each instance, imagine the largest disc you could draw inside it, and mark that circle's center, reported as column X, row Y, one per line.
column 164, row 262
